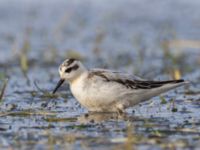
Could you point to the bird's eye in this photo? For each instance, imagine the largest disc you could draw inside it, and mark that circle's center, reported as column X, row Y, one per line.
column 68, row 70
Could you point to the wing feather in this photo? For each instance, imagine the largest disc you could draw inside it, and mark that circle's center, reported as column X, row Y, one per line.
column 129, row 81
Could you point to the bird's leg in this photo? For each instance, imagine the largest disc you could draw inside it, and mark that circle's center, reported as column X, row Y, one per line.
column 120, row 109
column 120, row 112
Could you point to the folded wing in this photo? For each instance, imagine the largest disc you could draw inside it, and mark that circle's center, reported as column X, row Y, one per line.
column 130, row 81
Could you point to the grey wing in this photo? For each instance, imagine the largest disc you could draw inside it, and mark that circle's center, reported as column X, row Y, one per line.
column 116, row 74
column 130, row 81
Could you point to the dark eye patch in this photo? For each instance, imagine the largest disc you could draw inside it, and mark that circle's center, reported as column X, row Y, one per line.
column 68, row 70
column 75, row 67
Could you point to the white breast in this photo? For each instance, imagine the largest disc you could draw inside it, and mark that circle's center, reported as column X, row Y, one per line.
column 78, row 89
column 94, row 94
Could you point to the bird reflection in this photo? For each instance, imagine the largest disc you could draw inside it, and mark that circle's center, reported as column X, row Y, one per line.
column 101, row 117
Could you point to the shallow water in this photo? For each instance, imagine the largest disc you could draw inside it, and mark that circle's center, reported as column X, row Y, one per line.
column 131, row 36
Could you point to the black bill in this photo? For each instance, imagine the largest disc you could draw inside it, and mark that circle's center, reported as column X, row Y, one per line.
column 60, row 82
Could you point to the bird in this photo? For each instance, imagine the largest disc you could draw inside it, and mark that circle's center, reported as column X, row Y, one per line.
column 103, row 90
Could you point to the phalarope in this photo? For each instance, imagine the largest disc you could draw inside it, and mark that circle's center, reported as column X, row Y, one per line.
column 103, row 90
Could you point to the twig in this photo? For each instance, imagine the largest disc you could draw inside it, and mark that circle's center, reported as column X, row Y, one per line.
column 3, row 89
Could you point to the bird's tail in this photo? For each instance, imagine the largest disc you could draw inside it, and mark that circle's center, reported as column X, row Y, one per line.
column 158, row 87
column 168, row 85
column 169, row 81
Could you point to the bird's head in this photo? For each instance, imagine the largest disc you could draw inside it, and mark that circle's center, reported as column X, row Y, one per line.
column 69, row 70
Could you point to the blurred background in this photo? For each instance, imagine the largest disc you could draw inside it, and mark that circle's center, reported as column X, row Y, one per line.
column 115, row 33
column 154, row 39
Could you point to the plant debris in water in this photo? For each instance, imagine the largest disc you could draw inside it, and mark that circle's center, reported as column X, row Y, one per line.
column 2, row 92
